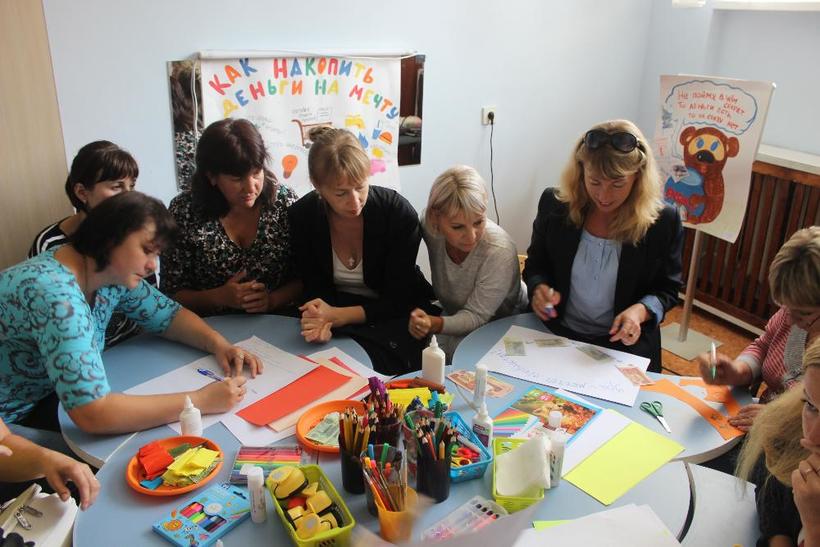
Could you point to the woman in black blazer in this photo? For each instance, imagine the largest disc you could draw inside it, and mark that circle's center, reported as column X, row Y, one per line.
column 605, row 252
column 355, row 248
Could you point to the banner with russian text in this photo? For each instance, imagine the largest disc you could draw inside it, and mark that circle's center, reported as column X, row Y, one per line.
column 706, row 140
column 287, row 96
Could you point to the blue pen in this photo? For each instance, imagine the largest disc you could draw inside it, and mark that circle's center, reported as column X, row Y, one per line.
column 216, row 377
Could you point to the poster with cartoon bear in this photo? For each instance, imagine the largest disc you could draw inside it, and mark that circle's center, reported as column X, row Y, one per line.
column 706, row 140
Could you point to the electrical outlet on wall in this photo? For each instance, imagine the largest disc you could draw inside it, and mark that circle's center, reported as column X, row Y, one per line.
column 486, row 112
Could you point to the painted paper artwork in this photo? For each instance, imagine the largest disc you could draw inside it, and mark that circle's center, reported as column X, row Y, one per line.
column 288, row 96
column 706, row 140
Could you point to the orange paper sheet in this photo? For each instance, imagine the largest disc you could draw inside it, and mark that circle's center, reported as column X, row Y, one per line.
column 299, row 393
column 716, row 394
column 715, row 418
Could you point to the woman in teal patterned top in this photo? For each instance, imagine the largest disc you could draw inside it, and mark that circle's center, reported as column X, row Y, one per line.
column 54, row 309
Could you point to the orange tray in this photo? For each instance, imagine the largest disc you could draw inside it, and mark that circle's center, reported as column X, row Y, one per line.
column 316, row 414
column 133, row 473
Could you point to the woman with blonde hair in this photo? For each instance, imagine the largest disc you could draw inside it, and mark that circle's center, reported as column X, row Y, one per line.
column 781, row 456
column 605, row 253
column 474, row 262
column 776, row 355
column 355, row 247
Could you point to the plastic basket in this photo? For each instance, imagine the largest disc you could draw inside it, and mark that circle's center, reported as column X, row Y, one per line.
column 511, row 503
column 338, row 537
column 457, row 474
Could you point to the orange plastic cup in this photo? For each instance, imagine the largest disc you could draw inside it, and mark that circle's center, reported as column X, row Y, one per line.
column 396, row 526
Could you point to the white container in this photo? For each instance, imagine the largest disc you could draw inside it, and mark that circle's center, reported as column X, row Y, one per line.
column 190, row 419
column 480, row 390
column 433, row 362
column 554, row 419
column 558, row 441
column 256, row 479
column 483, row 426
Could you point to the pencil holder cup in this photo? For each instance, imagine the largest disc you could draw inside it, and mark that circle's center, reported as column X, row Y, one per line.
column 397, row 526
column 390, row 456
column 352, row 479
column 410, row 445
column 433, row 478
column 387, row 434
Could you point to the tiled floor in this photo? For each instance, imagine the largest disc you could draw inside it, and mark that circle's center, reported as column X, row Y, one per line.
column 734, row 339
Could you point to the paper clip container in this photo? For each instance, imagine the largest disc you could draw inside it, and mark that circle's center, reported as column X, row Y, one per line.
column 511, row 503
column 338, row 537
column 474, row 470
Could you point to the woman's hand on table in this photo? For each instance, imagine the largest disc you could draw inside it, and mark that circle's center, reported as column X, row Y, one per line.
column 218, row 397
column 232, row 360
column 626, row 327
column 541, row 296
column 744, row 419
column 727, row 371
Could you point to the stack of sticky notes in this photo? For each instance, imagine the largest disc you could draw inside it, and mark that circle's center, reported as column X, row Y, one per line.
column 190, row 467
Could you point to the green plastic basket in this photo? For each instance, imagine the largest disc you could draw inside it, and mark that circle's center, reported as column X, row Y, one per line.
column 511, row 503
column 338, row 537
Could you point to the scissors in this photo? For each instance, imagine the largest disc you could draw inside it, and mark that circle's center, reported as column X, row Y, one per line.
column 655, row 408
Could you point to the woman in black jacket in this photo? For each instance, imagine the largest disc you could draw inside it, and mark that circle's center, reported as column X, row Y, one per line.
column 605, row 252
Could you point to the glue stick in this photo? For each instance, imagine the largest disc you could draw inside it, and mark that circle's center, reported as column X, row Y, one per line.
column 259, row 510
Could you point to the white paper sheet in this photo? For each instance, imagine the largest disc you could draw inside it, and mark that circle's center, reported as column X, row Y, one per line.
column 566, row 367
column 626, row 526
column 280, row 369
column 362, row 370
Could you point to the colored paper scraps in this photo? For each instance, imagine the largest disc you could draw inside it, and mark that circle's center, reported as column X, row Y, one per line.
column 716, row 394
column 629, row 457
column 404, row 397
column 190, row 467
column 711, row 415
column 153, row 460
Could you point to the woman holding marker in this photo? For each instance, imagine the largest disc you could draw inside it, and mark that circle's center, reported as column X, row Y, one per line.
column 356, row 248
column 474, row 262
column 54, row 309
column 781, row 456
column 605, row 252
column 234, row 248
column 776, row 356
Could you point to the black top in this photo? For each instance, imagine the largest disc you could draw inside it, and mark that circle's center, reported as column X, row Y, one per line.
column 391, row 242
column 652, row 267
column 776, row 511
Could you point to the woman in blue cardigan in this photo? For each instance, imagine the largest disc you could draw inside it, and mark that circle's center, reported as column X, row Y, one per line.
column 605, row 251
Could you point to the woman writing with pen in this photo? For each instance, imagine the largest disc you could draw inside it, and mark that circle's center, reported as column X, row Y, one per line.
column 776, row 355
column 604, row 262
column 54, row 309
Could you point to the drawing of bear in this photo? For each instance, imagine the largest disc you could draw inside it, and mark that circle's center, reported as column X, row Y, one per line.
column 699, row 193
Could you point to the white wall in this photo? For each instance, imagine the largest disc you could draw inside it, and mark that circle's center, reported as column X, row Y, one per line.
column 551, row 68
column 781, row 47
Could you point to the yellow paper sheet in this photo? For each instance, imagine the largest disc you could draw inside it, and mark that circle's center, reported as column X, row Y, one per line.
column 405, row 396
column 628, row 458
column 203, row 458
column 544, row 524
column 180, row 463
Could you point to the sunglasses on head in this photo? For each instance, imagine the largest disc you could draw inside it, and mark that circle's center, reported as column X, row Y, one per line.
column 620, row 141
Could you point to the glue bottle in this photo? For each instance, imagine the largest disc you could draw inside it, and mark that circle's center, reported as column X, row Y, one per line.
column 483, row 425
column 558, row 441
column 432, row 362
column 259, row 510
column 480, row 389
column 190, row 419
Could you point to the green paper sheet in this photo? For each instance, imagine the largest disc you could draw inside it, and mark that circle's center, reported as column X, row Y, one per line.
column 628, row 458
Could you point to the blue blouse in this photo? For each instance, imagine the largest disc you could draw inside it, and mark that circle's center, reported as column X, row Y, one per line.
column 589, row 309
column 51, row 339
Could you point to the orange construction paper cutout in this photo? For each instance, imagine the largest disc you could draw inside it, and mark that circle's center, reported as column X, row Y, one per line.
column 297, row 394
column 716, row 394
column 715, row 418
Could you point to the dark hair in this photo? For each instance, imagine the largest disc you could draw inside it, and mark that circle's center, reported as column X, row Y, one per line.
column 112, row 221
column 95, row 162
column 230, row 147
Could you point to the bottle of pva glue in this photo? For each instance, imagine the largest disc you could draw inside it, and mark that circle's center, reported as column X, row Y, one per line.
column 190, row 419
column 433, row 361
column 483, row 426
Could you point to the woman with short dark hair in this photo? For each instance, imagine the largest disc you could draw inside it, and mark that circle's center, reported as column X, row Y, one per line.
column 54, row 309
column 234, row 249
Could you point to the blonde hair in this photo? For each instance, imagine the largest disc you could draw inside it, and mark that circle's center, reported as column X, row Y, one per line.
column 777, row 431
column 795, row 270
column 641, row 208
column 336, row 154
column 458, row 189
